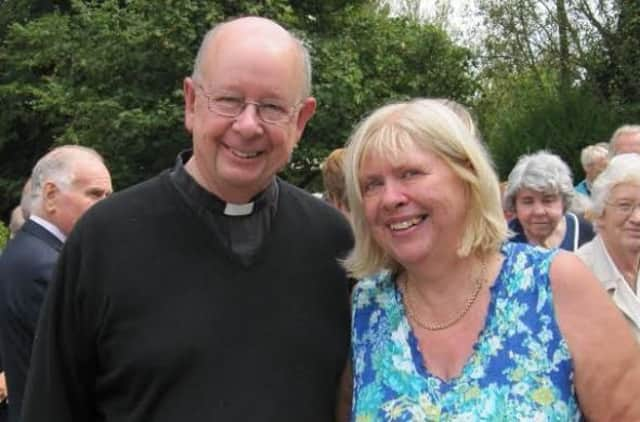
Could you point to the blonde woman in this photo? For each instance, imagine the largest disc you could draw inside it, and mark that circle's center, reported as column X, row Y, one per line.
column 451, row 323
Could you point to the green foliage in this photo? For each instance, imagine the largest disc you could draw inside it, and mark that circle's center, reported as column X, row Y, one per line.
column 4, row 235
column 108, row 74
column 526, row 106
column 520, row 115
column 21, row 11
column 374, row 60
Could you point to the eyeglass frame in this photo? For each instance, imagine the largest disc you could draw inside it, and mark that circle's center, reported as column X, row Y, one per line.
column 211, row 101
column 618, row 208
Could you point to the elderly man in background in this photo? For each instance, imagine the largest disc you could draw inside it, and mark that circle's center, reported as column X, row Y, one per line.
column 594, row 159
column 212, row 292
column 65, row 183
column 624, row 140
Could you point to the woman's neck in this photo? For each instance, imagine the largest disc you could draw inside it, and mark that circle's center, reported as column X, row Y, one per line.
column 443, row 285
column 435, row 277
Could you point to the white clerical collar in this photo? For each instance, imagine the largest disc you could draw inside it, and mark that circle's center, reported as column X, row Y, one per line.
column 51, row 228
column 238, row 209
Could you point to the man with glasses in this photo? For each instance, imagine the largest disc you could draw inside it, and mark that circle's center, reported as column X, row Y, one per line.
column 213, row 291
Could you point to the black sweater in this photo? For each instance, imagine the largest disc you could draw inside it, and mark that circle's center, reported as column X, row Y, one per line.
column 151, row 319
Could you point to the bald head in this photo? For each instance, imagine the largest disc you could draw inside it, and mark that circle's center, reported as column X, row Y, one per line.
column 256, row 33
column 626, row 139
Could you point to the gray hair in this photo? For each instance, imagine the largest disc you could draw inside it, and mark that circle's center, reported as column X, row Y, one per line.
column 591, row 153
column 622, row 130
column 58, row 167
column 541, row 172
column 623, row 168
column 302, row 48
column 25, row 199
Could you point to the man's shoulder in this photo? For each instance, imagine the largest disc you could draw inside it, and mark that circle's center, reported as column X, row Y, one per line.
column 134, row 207
column 319, row 218
column 29, row 244
column 141, row 198
column 294, row 194
column 26, row 258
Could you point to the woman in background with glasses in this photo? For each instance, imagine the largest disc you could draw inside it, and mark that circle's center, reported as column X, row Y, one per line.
column 614, row 254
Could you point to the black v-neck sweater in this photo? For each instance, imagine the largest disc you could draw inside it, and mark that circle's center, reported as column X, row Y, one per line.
column 151, row 319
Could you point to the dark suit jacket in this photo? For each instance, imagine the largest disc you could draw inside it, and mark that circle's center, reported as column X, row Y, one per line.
column 26, row 269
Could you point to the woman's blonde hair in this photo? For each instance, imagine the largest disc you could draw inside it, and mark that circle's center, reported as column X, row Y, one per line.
column 430, row 125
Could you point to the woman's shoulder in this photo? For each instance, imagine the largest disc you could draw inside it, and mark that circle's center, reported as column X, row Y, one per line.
column 523, row 253
column 377, row 288
column 525, row 266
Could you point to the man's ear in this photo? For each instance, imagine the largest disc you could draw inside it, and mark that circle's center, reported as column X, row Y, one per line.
column 49, row 194
column 306, row 112
column 188, row 88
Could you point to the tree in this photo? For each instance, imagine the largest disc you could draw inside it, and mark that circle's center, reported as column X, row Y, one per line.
column 22, row 11
column 108, row 74
column 590, row 41
column 616, row 59
column 355, row 72
column 561, row 69
column 519, row 115
column 104, row 75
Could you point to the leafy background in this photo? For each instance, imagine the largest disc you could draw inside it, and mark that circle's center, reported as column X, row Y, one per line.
column 109, row 73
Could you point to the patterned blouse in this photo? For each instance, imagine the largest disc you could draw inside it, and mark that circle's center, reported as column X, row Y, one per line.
column 520, row 368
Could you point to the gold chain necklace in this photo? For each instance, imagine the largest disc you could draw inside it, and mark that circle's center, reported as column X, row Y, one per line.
column 441, row 326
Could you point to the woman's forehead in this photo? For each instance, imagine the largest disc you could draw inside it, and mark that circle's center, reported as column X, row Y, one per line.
column 391, row 156
column 390, row 149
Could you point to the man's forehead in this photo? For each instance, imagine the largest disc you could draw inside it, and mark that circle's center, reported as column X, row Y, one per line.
column 240, row 65
column 257, row 32
column 90, row 169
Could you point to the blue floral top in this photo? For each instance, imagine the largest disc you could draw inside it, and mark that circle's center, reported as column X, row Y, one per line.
column 520, row 368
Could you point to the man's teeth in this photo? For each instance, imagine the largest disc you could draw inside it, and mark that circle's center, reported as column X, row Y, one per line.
column 405, row 224
column 244, row 154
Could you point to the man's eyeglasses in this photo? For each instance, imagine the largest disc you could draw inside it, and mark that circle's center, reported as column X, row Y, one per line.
column 226, row 105
column 624, row 208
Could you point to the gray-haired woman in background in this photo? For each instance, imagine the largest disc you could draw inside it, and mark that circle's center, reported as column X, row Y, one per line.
column 614, row 254
column 539, row 192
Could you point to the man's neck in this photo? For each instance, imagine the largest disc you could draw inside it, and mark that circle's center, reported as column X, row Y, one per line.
column 232, row 195
column 49, row 226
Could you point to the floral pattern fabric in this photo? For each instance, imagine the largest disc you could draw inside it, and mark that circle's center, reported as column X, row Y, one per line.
column 520, row 367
